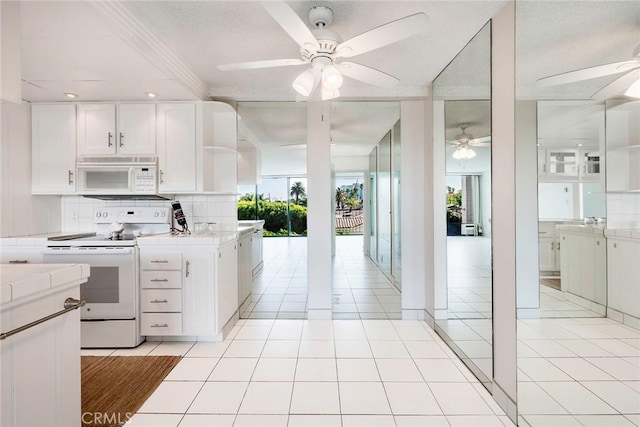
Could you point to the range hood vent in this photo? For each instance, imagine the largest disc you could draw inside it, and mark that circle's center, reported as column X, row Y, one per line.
column 125, row 197
column 117, row 161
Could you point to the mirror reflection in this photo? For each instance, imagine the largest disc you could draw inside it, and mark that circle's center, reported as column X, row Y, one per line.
column 579, row 322
column 462, row 126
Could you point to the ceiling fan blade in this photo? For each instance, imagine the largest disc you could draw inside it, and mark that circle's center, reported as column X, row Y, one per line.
column 251, row 65
column 618, row 86
column 291, row 23
column 383, row 35
column 294, row 146
column 588, row 73
column 366, row 74
column 480, row 140
column 479, row 144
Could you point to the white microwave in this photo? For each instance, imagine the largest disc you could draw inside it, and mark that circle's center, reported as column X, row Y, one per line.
column 106, row 176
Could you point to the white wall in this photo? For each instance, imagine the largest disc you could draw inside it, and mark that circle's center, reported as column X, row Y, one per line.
column 623, row 210
column 22, row 213
column 10, row 59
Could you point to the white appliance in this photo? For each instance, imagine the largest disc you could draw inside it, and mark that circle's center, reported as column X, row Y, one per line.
column 117, row 175
column 111, row 317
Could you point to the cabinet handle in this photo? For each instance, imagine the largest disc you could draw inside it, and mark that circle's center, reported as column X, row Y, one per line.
column 220, row 255
column 159, row 261
column 70, row 177
column 558, row 245
column 615, row 245
column 157, row 325
column 121, row 138
column 544, row 168
column 553, row 246
column 161, row 176
column 187, row 269
column 159, row 280
column 110, row 137
column 18, row 261
column 157, row 301
column 598, row 242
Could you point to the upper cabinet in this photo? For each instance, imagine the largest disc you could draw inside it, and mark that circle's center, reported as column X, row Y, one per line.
column 53, row 145
column 177, row 148
column 568, row 165
column 623, row 147
column 122, row 129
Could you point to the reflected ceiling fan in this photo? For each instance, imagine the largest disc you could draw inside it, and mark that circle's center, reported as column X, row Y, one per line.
column 628, row 83
column 464, row 141
column 322, row 48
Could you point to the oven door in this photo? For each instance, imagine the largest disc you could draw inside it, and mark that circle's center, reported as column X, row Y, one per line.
column 110, row 292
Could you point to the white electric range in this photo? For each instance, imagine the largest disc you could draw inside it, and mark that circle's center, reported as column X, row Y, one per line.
column 111, row 317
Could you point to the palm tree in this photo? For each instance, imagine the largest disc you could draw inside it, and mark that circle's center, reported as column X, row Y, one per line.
column 341, row 196
column 297, row 191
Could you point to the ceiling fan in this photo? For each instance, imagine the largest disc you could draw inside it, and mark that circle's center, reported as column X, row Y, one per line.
column 322, row 48
column 629, row 83
column 464, row 141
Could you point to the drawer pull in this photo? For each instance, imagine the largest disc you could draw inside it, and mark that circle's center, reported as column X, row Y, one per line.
column 18, row 261
column 159, row 280
column 159, row 261
column 157, row 325
column 157, row 301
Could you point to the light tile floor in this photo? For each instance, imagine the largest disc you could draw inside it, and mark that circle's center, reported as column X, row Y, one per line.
column 360, row 290
column 352, row 373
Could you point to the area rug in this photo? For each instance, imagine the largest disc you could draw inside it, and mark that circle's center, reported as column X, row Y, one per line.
column 115, row 387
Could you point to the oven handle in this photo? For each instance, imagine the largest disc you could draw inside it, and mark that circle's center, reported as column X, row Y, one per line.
column 88, row 250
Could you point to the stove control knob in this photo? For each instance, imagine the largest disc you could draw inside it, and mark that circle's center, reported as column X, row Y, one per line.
column 156, row 214
column 163, row 214
column 105, row 214
column 98, row 214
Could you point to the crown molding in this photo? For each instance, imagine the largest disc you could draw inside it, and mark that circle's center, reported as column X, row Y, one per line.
column 125, row 25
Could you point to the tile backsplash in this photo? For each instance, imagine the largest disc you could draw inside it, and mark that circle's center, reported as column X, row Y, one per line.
column 623, row 210
column 78, row 212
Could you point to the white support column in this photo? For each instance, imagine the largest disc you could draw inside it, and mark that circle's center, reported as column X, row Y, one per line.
column 413, row 216
column 10, row 55
column 439, row 213
column 319, row 209
column 504, row 207
column 527, row 267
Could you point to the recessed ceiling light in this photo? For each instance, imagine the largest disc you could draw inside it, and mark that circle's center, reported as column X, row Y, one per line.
column 151, row 94
column 70, row 95
column 580, row 144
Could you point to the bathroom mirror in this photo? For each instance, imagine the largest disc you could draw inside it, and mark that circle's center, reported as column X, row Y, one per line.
column 462, row 132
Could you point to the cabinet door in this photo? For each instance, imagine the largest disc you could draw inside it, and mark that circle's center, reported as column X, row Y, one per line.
column 136, row 129
column 565, row 272
column 615, row 275
column 245, row 250
column 542, row 162
column 574, row 263
column 630, row 254
column 562, row 163
column 96, row 129
column 227, row 283
column 177, row 147
column 586, row 267
column 600, row 270
column 547, row 253
column 53, row 145
column 198, row 294
column 22, row 255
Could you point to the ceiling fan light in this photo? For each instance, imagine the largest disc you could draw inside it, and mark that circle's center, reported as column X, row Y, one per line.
column 303, row 84
column 331, row 77
column 463, row 153
column 634, row 90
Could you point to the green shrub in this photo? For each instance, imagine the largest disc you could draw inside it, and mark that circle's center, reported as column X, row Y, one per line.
column 275, row 216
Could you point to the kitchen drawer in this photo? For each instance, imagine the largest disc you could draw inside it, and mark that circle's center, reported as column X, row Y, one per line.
column 161, row 300
column 153, row 279
column 161, row 261
column 161, row 324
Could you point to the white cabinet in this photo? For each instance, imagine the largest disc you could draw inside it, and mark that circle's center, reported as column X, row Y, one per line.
column 188, row 290
column 21, row 255
column 257, row 253
column 565, row 164
column 245, row 266
column 177, row 148
column 122, row 129
column 623, row 147
column 219, row 148
column 53, row 145
column 584, row 260
column 547, row 253
column 160, row 292
column 624, row 275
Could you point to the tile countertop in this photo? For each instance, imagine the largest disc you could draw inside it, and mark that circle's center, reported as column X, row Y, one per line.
column 258, row 223
column 193, row 239
column 19, row 282
column 578, row 228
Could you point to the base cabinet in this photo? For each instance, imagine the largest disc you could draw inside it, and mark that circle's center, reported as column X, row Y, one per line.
column 245, row 267
column 190, row 291
column 584, row 265
column 624, row 275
